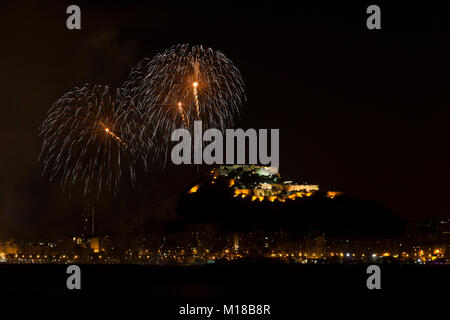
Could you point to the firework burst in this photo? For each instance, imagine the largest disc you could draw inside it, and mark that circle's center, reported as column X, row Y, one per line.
column 92, row 139
column 183, row 84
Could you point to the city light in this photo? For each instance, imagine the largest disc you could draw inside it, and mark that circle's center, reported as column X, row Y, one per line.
column 204, row 243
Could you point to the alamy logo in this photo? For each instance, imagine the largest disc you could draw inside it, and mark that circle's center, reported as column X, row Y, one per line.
column 374, row 280
column 213, row 152
column 74, row 280
column 374, row 20
column 74, row 20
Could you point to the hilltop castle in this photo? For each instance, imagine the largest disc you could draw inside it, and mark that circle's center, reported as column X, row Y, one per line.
column 262, row 183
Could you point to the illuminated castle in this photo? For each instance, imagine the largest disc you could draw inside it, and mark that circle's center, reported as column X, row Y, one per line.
column 262, row 183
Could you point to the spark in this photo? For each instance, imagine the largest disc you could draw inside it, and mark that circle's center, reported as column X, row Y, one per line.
column 115, row 136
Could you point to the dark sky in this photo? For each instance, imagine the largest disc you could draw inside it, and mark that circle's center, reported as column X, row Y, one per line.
column 361, row 111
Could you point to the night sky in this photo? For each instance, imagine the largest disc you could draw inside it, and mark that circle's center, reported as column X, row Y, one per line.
column 360, row 111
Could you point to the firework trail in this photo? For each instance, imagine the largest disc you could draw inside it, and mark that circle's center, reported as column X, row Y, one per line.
column 92, row 139
column 183, row 84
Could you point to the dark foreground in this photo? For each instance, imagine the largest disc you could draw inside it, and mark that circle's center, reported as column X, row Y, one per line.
column 288, row 289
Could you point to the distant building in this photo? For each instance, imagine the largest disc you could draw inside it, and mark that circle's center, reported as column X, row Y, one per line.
column 236, row 242
column 7, row 248
column 314, row 245
column 95, row 244
column 87, row 222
